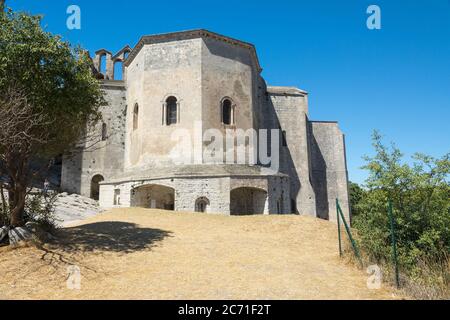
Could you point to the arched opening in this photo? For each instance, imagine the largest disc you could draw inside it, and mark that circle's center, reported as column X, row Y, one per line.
column 95, row 186
column 227, row 112
column 135, row 116
column 125, row 55
column 201, row 204
column 118, row 70
column 248, row 201
column 171, row 110
column 153, row 196
column 104, row 132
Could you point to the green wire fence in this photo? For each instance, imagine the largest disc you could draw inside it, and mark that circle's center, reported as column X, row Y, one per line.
column 340, row 216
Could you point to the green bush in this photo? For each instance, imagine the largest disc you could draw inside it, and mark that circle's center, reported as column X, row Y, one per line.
column 420, row 193
column 40, row 208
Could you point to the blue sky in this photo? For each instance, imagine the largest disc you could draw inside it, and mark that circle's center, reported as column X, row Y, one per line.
column 395, row 80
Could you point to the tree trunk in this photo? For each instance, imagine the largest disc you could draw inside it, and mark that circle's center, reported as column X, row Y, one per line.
column 4, row 204
column 17, row 208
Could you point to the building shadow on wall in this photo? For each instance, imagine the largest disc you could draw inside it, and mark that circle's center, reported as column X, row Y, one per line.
column 318, row 167
column 319, row 176
column 113, row 236
column 287, row 165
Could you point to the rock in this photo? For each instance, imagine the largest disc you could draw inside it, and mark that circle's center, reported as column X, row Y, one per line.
column 19, row 234
column 3, row 232
column 33, row 226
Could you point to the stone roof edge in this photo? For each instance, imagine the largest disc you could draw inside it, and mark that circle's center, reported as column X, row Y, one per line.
column 190, row 34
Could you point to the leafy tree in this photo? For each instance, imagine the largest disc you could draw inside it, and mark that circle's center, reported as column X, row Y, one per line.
column 420, row 193
column 48, row 100
column 356, row 194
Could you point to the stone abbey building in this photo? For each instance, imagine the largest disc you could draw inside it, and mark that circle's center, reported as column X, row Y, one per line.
column 186, row 85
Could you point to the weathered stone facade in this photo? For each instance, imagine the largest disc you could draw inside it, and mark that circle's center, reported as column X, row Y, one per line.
column 196, row 85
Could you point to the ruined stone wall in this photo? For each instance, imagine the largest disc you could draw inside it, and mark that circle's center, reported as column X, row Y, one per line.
column 99, row 157
column 329, row 168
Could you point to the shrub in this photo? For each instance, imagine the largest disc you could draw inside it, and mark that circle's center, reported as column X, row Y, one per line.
column 420, row 193
column 40, row 208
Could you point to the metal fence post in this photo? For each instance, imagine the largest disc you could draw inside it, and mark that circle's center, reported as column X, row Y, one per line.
column 339, row 227
column 394, row 244
column 349, row 233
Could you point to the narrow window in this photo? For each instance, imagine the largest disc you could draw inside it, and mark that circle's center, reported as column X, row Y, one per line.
column 227, row 112
column 104, row 132
column 283, row 138
column 117, row 197
column 135, row 116
column 171, row 111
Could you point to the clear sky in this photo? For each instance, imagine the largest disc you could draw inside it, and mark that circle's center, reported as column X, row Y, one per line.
column 396, row 79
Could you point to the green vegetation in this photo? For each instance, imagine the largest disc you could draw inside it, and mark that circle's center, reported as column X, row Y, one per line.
column 420, row 193
column 48, row 99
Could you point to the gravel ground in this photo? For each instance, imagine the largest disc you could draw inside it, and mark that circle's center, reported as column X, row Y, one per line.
column 153, row 254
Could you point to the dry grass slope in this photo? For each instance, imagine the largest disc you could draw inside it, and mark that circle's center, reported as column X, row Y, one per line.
column 153, row 254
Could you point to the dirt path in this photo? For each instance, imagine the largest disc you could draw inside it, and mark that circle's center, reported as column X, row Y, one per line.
column 150, row 254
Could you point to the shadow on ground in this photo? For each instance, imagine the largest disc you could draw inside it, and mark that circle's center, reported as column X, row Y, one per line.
column 109, row 236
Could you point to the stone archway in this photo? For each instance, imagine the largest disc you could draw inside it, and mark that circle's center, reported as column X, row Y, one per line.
column 248, row 201
column 154, row 196
column 95, row 186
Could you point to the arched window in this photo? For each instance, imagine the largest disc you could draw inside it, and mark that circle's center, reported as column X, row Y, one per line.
column 171, row 110
column 201, row 205
column 135, row 116
column 104, row 132
column 227, row 112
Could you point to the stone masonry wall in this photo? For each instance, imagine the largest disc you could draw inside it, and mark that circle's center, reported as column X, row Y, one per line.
column 329, row 168
column 215, row 189
column 288, row 112
column 99, row 157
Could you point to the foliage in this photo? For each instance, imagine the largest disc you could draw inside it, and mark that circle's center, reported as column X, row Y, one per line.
column 356, row 194
column 56, row 77
column 40, row 208
column 50, row 84
column 420, row 193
